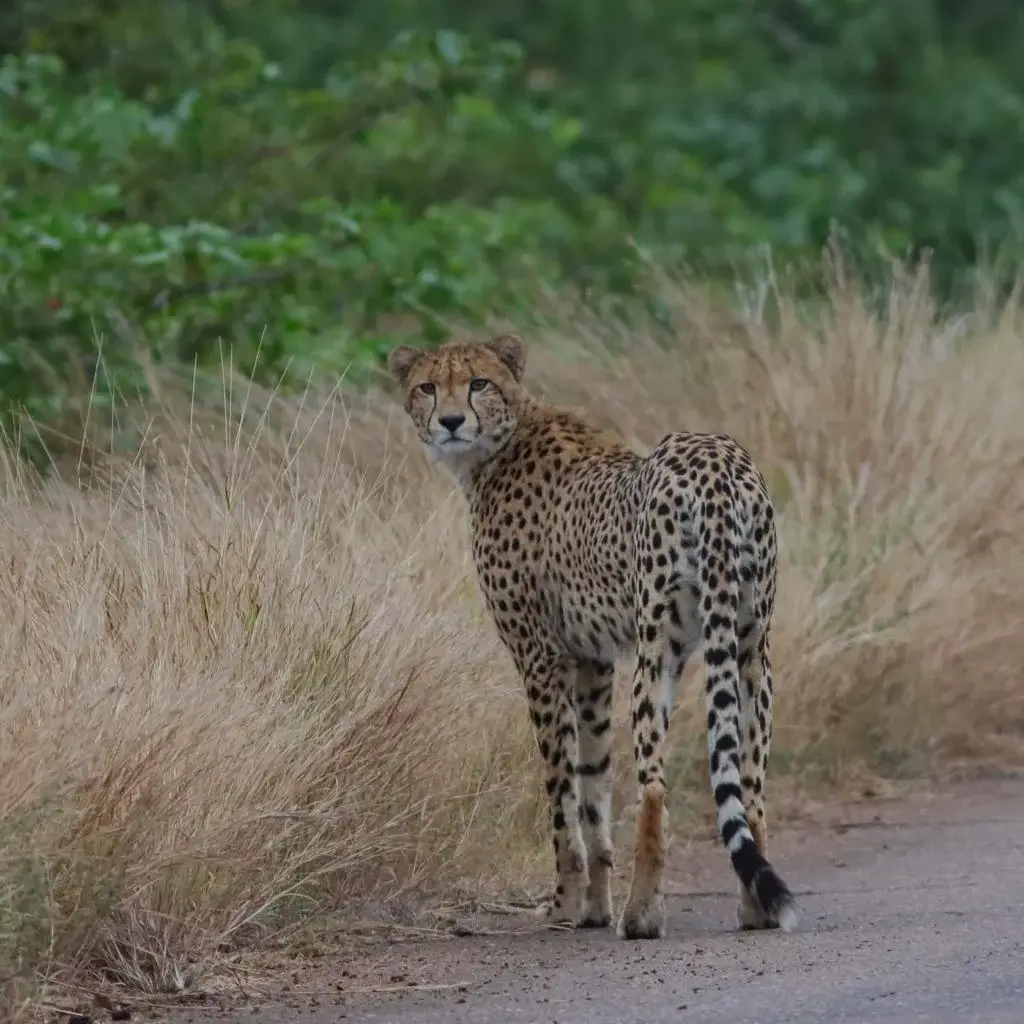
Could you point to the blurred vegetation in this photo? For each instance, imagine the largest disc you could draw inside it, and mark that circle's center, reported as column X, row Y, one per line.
column 290, row 185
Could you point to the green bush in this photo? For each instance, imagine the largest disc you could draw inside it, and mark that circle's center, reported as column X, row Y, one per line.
column 296, row 222
column 184, row 180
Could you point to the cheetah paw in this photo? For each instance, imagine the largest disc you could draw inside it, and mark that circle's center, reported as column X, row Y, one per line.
column 596, row 915
column 643, row 920
column 567, row 905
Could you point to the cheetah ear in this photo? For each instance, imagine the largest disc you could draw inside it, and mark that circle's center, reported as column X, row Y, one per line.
column 401, row 361
column 511, row 350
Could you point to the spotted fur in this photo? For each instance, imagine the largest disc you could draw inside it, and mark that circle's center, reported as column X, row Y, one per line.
column 587, row 551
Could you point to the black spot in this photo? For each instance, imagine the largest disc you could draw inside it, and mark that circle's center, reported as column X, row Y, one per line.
column 724, row 790
column 645, row 709
column 596, row 769
column 723, row 698
column 715, row 656
column 729, row 830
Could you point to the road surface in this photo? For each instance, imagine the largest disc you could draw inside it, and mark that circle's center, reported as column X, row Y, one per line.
column 911, row 911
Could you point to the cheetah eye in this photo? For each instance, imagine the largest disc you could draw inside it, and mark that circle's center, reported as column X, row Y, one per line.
column 427, row 388
column 478, row 384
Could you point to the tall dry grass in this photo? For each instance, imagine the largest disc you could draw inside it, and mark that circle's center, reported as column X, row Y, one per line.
column 246, row 676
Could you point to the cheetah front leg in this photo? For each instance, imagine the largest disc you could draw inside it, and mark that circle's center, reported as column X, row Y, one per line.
column 594, row 681
column 550, row 688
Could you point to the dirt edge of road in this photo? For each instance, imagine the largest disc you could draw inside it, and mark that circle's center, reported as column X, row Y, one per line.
column 852, row 866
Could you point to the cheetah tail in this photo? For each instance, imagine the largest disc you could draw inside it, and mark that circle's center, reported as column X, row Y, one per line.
column 757, row 876
column 762, row 881
column 755, row 873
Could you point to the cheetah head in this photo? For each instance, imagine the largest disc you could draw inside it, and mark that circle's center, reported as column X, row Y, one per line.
column 464, row 399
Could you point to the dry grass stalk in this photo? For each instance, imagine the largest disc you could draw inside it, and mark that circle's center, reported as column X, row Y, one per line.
column 246, row 673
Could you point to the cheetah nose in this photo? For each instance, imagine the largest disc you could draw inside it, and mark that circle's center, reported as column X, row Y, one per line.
column 451, row 423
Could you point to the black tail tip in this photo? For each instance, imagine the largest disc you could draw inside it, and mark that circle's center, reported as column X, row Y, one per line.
column 774, row 898
column 771, row 894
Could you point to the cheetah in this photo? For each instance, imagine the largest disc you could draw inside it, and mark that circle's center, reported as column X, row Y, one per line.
column 587, row 551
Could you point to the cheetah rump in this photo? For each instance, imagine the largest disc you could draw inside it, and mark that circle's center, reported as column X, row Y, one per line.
column 587, row 552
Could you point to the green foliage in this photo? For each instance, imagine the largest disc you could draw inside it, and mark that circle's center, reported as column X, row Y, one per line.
column 175, row 230
column 295, row 222
column 303, row 182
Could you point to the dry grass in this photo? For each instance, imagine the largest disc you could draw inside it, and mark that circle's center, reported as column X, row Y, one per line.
column 246, row 674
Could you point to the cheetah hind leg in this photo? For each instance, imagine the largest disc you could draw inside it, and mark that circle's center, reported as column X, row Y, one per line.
column 594, row 682
column 660, row 662
column 554, row 713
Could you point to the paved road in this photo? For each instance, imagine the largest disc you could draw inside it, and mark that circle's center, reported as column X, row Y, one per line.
column 910, row 913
